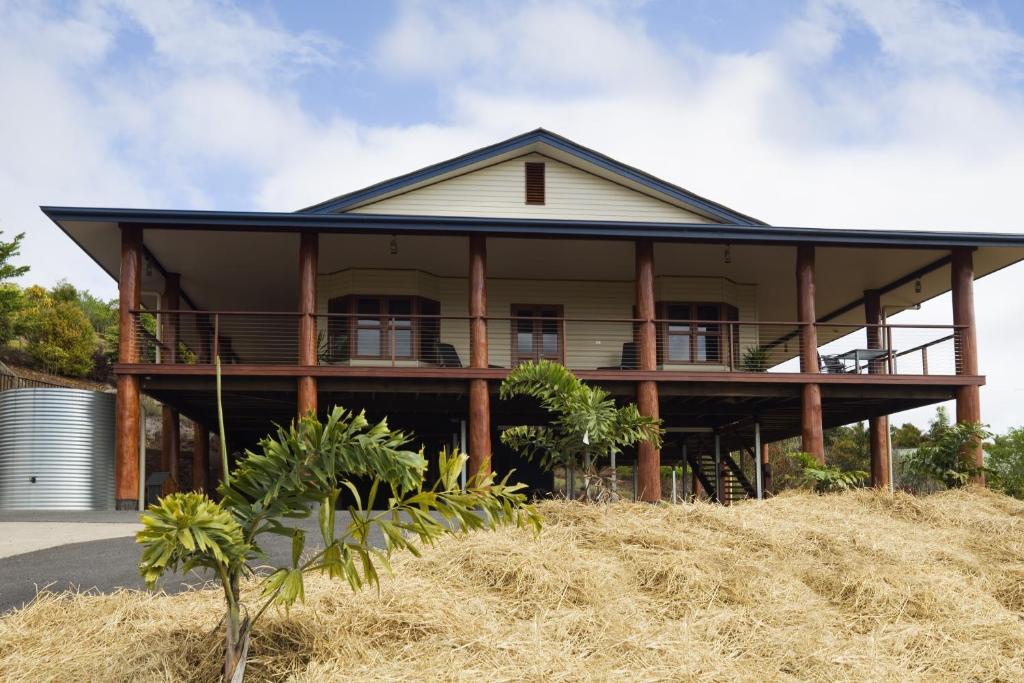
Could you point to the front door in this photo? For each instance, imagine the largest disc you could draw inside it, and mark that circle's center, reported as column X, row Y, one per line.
column 537, row 333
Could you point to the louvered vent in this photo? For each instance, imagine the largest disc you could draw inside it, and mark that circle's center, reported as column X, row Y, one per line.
column 534, row 182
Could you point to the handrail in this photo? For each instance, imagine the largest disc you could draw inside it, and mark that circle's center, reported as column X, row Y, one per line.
column 438, row 316
column 921, row 347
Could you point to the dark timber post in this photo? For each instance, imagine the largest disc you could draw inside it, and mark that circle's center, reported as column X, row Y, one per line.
column 126, row 463
column 200, row 458
column 170, row 430
column 479, row 399
column 968, row 399
column 878, row 427
column 810, row 399
column 308, row 252
column 648, row 457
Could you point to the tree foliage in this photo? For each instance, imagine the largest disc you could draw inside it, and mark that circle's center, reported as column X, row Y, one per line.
column 58, row 335
column 947, row 454
column 584, row 420
column 1004, row 462
column 310, row 464
column 907, row 435
column 10, row 294
column 825, row 478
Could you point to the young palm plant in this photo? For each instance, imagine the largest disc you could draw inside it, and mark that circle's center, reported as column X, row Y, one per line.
column 585, row 422
column 310, row 464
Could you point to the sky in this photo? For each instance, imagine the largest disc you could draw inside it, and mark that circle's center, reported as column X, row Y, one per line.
column 830, row 113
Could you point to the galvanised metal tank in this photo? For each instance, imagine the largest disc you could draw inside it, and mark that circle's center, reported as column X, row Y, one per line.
column 56, row 449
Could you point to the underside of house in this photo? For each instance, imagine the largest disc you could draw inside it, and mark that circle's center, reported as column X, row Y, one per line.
column 414, row 297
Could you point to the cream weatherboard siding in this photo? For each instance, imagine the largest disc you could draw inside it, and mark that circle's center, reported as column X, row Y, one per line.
column 590, row 343
column 498, row 191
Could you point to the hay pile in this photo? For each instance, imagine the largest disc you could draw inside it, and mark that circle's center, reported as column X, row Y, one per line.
column 859, row 586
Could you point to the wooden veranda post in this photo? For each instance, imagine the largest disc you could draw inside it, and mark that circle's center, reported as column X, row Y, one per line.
column 479, row 398
column 170, row 429
column 648, row 457
column 878, row 427
column 308, row 253
column 810, row 395
column 126, row 463
column 968, row 398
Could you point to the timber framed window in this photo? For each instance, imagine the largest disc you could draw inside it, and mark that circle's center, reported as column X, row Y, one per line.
column 697, row 333
column 379, row 327
column 537, row 333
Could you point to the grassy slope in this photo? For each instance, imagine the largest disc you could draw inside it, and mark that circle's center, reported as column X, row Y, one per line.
column 860, row 586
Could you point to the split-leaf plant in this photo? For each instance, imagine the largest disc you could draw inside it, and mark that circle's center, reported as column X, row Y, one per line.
column 307, row 465
column 585, row 424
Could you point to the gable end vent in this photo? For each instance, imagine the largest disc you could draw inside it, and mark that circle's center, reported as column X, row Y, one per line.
column 534, row 182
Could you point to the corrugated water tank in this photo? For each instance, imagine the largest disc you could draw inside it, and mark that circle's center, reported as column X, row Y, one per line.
column 56, row 449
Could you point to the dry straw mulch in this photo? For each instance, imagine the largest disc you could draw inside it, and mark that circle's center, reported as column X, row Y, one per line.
column 855, row 587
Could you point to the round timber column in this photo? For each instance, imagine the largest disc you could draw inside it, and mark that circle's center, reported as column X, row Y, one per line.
column 813, row 440
column 968, row 398
column 648, row 457
column 878, row 427
column 308, row 252
column 126, row 437
column 479, row 396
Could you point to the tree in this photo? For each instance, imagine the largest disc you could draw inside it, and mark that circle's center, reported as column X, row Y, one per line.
column 585, row 422
column 849, row 447
column 10, row 294
column 306, row 464
column 58, row 335
column 1004, row 462
column 907, row 435
column 947, row 458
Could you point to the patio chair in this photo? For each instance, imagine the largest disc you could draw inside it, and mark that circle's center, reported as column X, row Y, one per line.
column 629, row 360
column 833, row 365
column 447, row 356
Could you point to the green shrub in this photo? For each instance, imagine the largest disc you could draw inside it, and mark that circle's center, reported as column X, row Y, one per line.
column 948, row 458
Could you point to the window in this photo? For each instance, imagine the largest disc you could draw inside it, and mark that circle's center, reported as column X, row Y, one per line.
column 694, row 333
column 536, row 333
column 534, row 182
column 382, row 327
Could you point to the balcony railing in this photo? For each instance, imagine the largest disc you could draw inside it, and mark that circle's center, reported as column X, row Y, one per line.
column 602, row 344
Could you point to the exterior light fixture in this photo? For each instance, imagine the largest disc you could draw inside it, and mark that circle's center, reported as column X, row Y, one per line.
column 728, row 253
column 917, row 286
column 149, row 268
column 394, row 245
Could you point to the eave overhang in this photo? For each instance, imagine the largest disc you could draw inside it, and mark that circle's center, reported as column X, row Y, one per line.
column 618, row 230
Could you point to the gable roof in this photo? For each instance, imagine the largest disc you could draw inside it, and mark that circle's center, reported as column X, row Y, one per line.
column 535, row 140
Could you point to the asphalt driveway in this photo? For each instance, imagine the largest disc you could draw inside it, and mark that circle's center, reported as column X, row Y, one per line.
column 107, row 564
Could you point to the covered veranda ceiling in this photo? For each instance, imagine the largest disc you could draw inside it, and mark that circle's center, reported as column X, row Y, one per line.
column 258, row 270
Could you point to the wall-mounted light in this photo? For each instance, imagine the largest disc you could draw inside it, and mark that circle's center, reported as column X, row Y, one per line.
column 917, row 286
column 728, row 253
column 149, row 268
column 394, row 245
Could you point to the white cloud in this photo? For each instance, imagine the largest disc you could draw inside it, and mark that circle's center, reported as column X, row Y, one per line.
column 927, row 132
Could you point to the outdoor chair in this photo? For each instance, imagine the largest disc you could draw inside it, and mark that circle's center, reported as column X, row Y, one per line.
column 447, row 356
column 629, row 359
column 833, row 365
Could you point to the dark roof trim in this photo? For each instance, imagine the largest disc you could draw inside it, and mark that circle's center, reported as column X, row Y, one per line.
column 438, row 225
column 713, row 209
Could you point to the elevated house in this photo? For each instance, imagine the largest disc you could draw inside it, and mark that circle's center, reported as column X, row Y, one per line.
column 412, row 298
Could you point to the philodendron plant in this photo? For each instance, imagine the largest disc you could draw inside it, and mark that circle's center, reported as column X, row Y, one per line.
column 309, row 465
